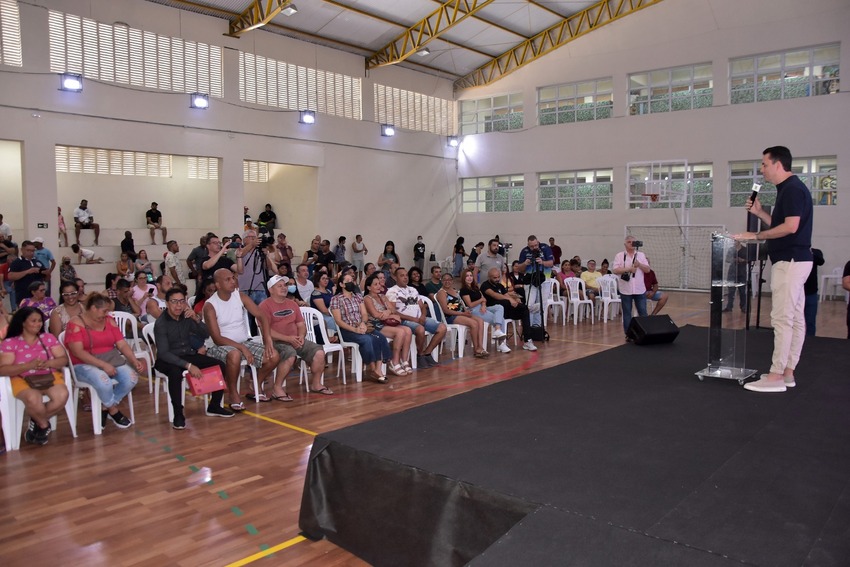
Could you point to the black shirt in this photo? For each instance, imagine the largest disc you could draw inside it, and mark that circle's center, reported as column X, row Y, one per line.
column 128, row 246
column 497, row 287
column 154, row 216
column 172, row 337
column 419, row 251
column 325, row 258
column 22, row 285
column 793, row 199
column 267, row 218
column 222, row 262
column 811, row 285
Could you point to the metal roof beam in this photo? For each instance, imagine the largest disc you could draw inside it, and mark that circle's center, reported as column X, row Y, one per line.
column 419, row 34
column 580, row 23
column 258, row 14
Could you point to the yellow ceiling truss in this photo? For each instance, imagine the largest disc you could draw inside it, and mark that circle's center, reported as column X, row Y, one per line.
column 419, row 34
column 578, row 24
column 258, row 14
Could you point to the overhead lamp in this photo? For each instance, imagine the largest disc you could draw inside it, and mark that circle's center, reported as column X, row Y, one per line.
column 423, row 52
column 289, row 10
column 387, row 130
column 71, row 82
column 453, row 142
column 307, row 117
column 199, row 100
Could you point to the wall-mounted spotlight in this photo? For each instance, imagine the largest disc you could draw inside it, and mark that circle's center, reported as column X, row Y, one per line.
column 199, row 100
column 387, row 130
column 453, row 141
column 423, row 52
column 289, row 10
column 71, row 82
column 307, row 117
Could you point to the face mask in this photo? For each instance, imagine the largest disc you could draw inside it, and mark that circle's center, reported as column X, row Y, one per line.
column 292, row 288
column 350, row 286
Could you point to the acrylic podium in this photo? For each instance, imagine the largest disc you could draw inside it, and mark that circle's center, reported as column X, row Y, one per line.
column 727, row 345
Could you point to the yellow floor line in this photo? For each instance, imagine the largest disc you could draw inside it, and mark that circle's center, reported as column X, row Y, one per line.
column 282, row 424
column 267, row 552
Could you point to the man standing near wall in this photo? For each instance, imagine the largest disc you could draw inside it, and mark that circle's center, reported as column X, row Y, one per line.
column 790, row 250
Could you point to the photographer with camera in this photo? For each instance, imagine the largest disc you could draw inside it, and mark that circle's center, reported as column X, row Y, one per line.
column 630, row 265
column 253, row 278
column 537, row 258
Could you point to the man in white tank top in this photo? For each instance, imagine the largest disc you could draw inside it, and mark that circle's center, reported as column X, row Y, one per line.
column 224, row 314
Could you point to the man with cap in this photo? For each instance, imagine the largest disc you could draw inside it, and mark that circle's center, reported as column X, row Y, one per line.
column 289, row 331
column 154, row 220
column 46, row 258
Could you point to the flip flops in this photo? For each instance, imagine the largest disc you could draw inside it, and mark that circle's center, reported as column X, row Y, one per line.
column 324, row 390
column 284, row 398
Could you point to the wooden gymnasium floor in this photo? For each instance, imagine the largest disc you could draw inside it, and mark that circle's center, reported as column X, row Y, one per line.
column 130, row 497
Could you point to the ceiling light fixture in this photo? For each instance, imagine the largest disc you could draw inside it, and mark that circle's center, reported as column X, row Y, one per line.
column 307, row 117
column 199, row 100
column 423, row 52
column 70, row 82
column 453, row 142
column 289, row 10
column 387, row 130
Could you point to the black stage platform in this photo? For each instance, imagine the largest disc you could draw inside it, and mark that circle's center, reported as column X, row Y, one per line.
column 621, row 458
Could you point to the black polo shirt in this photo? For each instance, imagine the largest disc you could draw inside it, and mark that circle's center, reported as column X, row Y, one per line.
column 793, row 199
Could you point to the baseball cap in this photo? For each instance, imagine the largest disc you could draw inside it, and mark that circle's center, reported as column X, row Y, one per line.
column 38, row 239
column 274, row 279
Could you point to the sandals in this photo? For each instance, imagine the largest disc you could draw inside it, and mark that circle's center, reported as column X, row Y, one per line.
column 379, row 378
column 397, row 369
column 407, row 367
column 258, row 398
column 324, row 390
column 482, row 354
column 284, row 398
column 238, row 406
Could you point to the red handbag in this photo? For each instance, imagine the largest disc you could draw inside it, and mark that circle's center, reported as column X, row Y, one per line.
column 211, row 380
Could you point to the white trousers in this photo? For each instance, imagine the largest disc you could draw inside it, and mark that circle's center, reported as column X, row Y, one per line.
column 787, row 314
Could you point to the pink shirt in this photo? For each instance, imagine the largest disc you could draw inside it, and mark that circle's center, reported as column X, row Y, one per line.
column 636, row 285
column 39, row 350
column 283, row 317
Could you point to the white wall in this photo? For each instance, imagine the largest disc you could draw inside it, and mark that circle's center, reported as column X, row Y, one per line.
column 11, row 187
column 669, row 34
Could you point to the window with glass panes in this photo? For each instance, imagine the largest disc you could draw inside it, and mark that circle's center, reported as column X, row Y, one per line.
column 701, row 193
column 669, row 90
column 820, row 174
column 494, row 114
column 786, row 74
column 502, row 194
column 575, row 190
column 575, row 102
column 695, row 181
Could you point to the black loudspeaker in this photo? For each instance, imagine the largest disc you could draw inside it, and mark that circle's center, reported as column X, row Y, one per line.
column 652, row 330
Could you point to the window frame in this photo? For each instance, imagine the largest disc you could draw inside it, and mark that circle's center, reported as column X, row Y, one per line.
column 569, row 183
column 565, row 105
column 667, row 90
column 482, row 192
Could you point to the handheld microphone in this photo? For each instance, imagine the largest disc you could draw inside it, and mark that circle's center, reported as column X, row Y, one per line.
column 756, row 189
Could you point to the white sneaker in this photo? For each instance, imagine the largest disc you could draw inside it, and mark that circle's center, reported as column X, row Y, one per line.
column 499, row 334
column 765, row 385
column 528, row 345
column 503, row 347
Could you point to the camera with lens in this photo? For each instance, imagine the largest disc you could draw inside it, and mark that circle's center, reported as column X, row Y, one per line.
column 535, row 253
column 626, row 276
column 637, row 243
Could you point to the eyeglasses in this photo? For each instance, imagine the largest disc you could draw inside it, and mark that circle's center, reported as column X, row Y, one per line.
column 41, row 289
column 70, row 294
column 176, row 301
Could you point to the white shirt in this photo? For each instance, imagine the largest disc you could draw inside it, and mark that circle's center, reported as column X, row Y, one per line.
column 230, row 317
column 83, row 216
column 6, row 231
column 306, row 290
column 406, row 300
column 635, row 285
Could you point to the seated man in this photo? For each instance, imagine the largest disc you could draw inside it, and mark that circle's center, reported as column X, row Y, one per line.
column 412, row 311
column 495, row 293
column 652, row 291
column 86, row 254
column 325, row 258
column 435, row 283
column 289, row 332
column 224, row 314
column 154, row 221
column 84, row 218
column 589, row 278
column 216, row 259
column 125, row 303
column 303, row 284
column 155, row 304
column 175, row 354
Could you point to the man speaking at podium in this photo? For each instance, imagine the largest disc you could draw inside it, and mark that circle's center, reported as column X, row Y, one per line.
column 789, row 248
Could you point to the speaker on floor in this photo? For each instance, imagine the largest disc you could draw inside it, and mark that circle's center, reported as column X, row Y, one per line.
column 652, row 330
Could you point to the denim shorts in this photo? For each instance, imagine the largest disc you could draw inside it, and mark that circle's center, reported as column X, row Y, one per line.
column 431, row 325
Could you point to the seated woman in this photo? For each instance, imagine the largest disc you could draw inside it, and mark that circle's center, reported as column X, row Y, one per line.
column 476, row 304
column 383, row 315
column 124, row 267
column 34, row 359
column 388, row 261
column 68, row 308
column 100, row 355
column 82, row 295
column 456, row 314
column 40, row 300
column 368, row 270
column 205, row 290
column 143, row 264
column 415, row 281
column 603, row 267
column 351, row 316
column 321, row 300
column 142, row 290
column 564, row 273
column 109, row 286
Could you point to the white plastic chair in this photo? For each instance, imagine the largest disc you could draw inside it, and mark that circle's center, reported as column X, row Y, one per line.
column 12, row 412
column 551, row 290
column 608, row 297
column 831, row 281
column 432, row 312
column 128, row 320
column 313, row 319
column 96, row 417
column 150, row 341
column 578, row 306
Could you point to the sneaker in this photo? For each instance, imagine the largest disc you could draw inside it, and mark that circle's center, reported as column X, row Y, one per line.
column 120, row 420
column 789, row 381
column 423, row 362
column 499, row 334
column 765, row 385
column 218, row 411
column 30, row 435
column 528, row 345
column 179, row 422
column 503, row 347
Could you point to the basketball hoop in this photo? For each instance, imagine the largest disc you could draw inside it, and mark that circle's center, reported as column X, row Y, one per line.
column 652, row 196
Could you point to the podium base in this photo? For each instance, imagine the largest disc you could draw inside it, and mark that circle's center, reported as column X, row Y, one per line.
column 727, row 372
